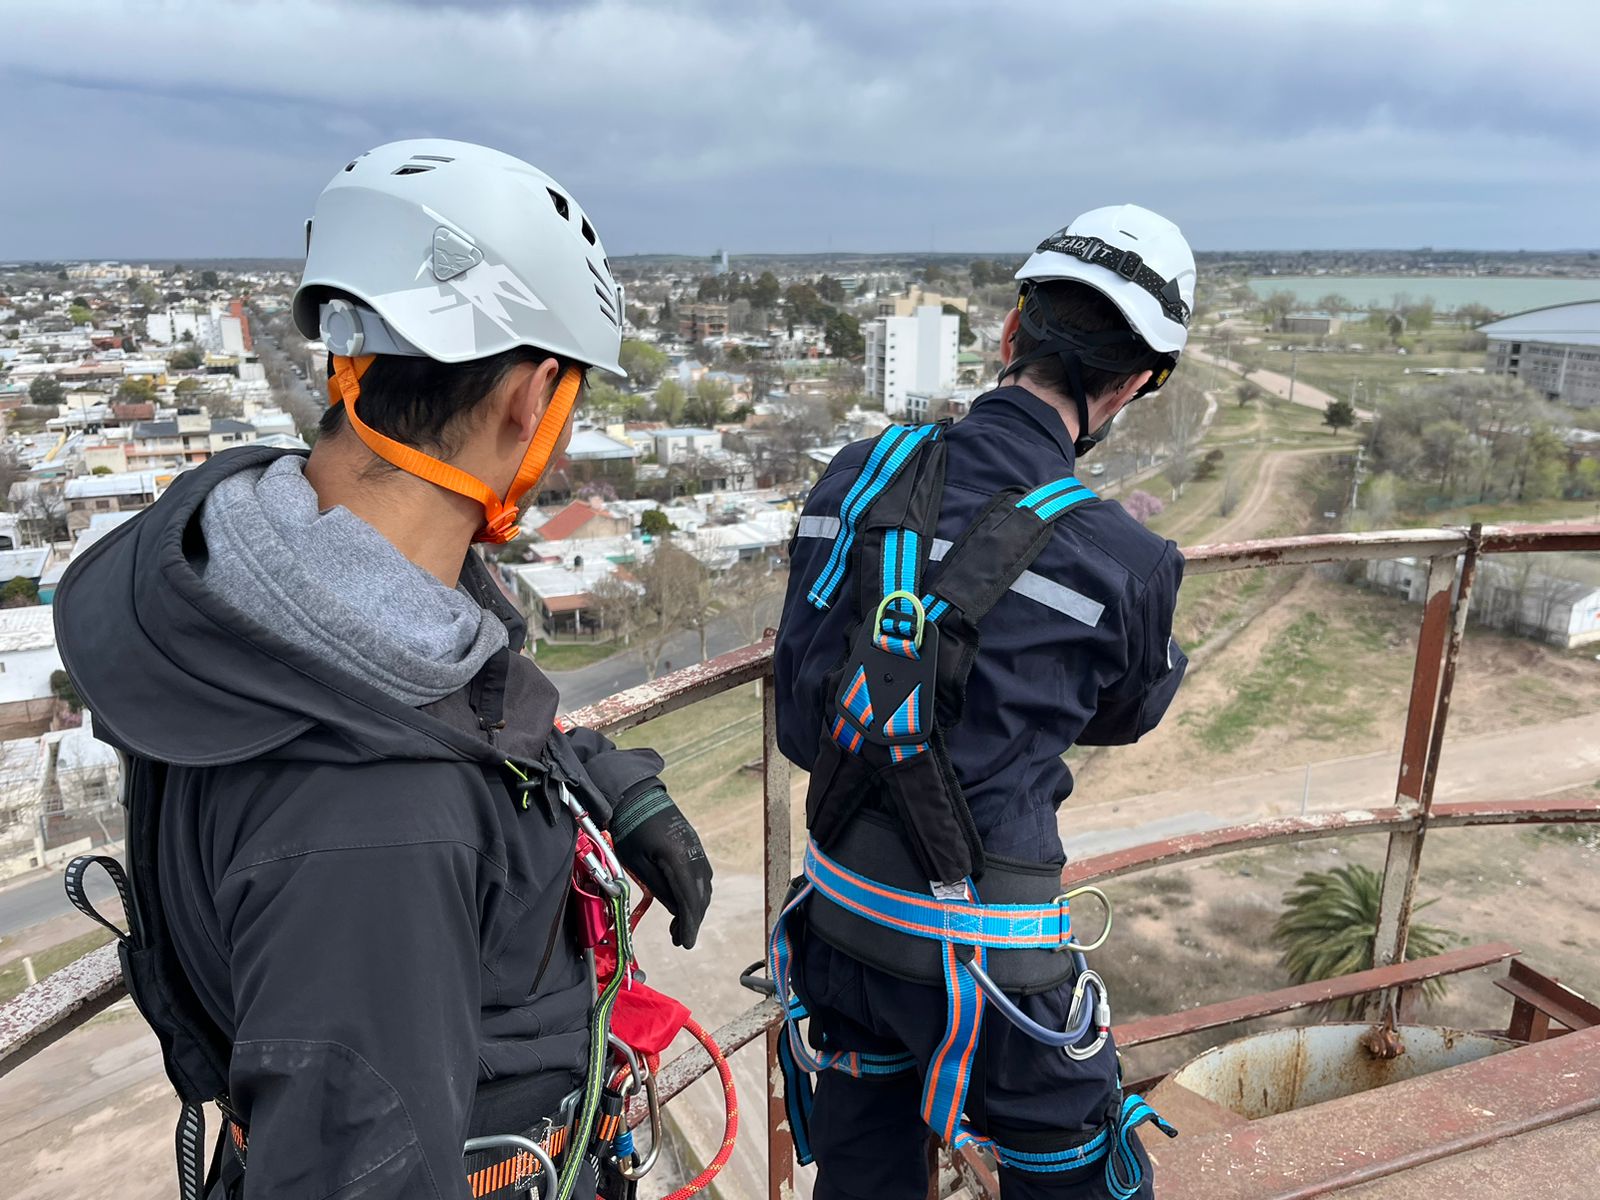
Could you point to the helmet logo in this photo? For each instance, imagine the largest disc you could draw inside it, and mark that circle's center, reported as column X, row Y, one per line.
column 452, row 254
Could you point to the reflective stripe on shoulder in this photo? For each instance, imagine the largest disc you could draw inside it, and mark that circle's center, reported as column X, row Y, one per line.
column 1035, row 587
column 1042, row 591
column 818, row 527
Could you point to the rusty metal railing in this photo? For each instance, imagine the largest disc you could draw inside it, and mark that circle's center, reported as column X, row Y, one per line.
column 58, row 1004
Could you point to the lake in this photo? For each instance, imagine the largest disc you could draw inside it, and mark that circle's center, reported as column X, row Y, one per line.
column 1503, row 294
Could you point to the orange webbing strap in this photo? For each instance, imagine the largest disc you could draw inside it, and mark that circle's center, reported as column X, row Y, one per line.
column 500, row 516
column 515, row 1170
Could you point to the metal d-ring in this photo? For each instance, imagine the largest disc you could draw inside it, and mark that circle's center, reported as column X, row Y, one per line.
column 916, row 607
column 515, row 1141
column 1105, row 903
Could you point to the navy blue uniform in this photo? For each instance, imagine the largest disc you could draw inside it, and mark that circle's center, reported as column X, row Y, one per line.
column 1078, row 652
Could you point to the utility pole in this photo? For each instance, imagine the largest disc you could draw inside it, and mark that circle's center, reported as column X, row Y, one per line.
column 1294, row 359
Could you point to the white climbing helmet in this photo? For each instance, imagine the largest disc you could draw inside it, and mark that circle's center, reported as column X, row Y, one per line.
column 455, row 252
column 1138, row 258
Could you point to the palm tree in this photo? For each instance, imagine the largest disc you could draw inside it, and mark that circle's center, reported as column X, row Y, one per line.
column 1329, row 923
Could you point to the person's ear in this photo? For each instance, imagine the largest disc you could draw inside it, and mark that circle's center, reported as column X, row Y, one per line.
column 1008, row 336
column 529, row 389
column 1114, row 402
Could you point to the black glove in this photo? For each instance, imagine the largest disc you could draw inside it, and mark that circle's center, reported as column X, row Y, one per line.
column 655, row 842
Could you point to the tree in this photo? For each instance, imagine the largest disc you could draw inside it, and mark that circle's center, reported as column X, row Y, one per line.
column 1340, row 414
column 102, row 470
column 146, row 295
column 766, row 291
column 136, row 389
column 186, row 359
column 61, row 687
column 1246, row 392
column 1277, row 306
column 1328, row 926
column 843, row 335
column 79, row 315
column 676, row 595
column 1141, row 506
column 209, row 280
column 186, row 388
column 666, row 320
column 752, row 598
column 644, row 364
column 1334, row 304
column 45, row 389
column 709, row 404
column 19, row 592
column 655, row 524
column 669, row 401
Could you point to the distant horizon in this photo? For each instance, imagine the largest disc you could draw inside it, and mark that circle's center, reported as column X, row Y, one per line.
column 708, row 258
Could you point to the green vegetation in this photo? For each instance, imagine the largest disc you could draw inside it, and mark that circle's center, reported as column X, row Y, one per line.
column 1307, row 674
column 45, row 389
column 1328, row 925
column 644, row 363
column 569, row 656
column 13, row 979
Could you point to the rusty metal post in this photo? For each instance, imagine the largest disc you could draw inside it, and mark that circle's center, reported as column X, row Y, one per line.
column 1444, row 625
column 776, row 865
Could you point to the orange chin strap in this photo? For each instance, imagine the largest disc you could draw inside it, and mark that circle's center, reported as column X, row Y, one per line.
column 499, row 516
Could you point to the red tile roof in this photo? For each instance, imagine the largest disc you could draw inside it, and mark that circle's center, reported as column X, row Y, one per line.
column 569, row 520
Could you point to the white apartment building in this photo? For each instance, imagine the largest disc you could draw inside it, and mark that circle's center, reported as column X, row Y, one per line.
column 912, row 354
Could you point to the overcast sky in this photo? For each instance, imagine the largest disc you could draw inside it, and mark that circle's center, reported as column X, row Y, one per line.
column 206, row 128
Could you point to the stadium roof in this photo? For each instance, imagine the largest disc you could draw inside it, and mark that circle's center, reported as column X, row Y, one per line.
column 1576, row 324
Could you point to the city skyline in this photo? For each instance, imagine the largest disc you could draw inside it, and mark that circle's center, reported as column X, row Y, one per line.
column 189, row 131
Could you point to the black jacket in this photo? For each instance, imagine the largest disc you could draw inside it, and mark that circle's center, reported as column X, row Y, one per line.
column 356, row 893
column 1080, row 651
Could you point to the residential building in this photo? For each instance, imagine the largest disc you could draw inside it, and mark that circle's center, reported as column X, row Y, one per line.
column 1554, row 350
column 591, row 457
column 192, row 436
column 914, row 298
column 583, row 520
column 1320, row 323
column 125, row 492
column 682, row 444
column 24, row 564
column 916, row 353
column 697, row 322
column 28, row 658
column 557, row 598
column 1512, row 596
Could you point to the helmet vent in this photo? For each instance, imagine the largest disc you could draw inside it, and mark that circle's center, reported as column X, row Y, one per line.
column 438, row 158
column 588, row 231
column 595, row 271
column 560, row 202
column 412, row 169
column 607, row 305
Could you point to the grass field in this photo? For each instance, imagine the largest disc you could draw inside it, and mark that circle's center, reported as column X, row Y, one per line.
column 47, row 962
column 569, row 656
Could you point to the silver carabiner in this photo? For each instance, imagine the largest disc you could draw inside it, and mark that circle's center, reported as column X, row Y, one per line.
column 515, row 1141
column 652, row 1098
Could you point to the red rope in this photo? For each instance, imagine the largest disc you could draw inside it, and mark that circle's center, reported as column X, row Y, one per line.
column 730, row 1132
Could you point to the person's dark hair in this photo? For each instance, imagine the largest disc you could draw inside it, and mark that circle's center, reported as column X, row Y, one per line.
column 1075, row 305
column 419, row 401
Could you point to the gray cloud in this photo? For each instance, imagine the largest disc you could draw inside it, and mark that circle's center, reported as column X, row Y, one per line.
column 190, row 128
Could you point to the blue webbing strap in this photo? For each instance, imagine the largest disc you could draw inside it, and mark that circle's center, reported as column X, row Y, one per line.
column 957, row 922
column 1124, row 1174
column 797, row 1060
column 944, row 1088
column 894, row 448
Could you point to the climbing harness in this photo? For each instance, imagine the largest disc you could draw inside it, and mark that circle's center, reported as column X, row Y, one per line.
column 630, row 1026
column 894, row 872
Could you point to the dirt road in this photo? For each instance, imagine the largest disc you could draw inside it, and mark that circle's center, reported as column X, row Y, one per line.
column 1516, row 764
column 1304, row 394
